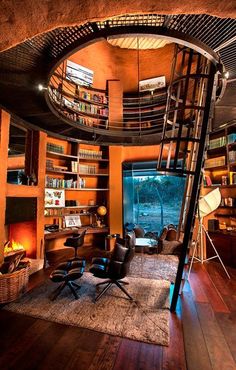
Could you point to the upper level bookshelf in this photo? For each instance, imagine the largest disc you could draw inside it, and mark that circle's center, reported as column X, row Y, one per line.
column 145, row 109
column 84, row 105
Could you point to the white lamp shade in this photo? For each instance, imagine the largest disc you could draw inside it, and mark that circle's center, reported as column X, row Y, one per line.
column 209, row 202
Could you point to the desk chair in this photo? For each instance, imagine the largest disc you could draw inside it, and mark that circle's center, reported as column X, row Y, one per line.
column 76, row 241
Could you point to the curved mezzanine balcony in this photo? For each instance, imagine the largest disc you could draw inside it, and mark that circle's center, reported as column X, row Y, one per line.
column 90, row 109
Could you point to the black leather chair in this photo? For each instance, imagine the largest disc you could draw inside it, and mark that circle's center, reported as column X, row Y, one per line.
column 65, row 273
column 76, row 241
column 114, row 269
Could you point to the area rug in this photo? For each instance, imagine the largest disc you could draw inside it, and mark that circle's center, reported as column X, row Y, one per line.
column 146, row 319
column 157, row 266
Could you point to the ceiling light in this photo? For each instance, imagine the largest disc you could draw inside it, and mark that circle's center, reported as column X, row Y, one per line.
column 226, row 75
column 144, row 42
column 41, row 87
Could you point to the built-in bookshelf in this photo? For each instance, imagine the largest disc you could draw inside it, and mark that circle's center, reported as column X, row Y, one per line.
column 220, row 171
column 81, row 171
column 220, row 164
column 82, row 104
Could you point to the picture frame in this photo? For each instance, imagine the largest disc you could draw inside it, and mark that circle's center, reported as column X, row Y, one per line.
column 152, row 84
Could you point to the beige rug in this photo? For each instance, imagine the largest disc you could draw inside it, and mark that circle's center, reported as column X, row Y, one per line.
column 156, row 266
column 146, row 319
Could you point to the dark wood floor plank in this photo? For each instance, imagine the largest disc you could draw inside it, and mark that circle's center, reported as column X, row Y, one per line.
column 214, row 296
column 197, row 356
column 128, row 355
column 175, row 360
column 106, row 354
column 203, row 332
column 22, row 352
column 87, row 346
column 197, row 290
column 227, row 323
column 62, row 351
column 218, row 349
column 12, row 326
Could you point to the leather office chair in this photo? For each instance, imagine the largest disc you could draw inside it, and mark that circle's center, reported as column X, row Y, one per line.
column 65, row 273
column 117, row 267
column 76, row 241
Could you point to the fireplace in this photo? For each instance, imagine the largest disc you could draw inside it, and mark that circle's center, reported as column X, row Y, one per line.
column 22, row 236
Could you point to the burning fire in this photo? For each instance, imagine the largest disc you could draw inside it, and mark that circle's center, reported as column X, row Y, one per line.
column 13, row 247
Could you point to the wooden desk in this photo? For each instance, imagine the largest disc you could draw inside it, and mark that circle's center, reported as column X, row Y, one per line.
column 56, row 252
column 65, row 232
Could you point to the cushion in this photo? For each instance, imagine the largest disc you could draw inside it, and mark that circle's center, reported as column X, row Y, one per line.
column 119, row 252
column 171, row 235
column 170, row 247
column 139, row 232
column 163, row 233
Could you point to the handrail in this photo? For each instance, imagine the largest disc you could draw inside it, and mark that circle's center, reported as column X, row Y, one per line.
column 87, row 108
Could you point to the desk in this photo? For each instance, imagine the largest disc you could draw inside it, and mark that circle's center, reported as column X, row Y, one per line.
column 70, row 231
column 56, row 252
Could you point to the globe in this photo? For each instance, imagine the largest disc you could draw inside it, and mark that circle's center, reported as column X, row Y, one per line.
column 101, row 211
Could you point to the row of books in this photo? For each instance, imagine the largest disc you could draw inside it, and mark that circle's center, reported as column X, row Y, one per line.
column 221, row 141
column 84, row 120
column 51, row 182
column 51, row 147
column 85, row 108
column 232, row 156
column 214, row 162
column 96, row 98
column 60, row 212
column 225, row 180
column 217, row 143
column 83, row 168
column 87, row 153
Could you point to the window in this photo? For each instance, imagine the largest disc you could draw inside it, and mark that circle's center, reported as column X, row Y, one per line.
column 151, row 199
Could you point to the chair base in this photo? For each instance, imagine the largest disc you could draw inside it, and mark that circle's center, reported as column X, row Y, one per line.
column 71, row 284
column 109, row 283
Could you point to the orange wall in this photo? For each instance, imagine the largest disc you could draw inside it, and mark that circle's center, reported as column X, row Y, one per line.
column 16, row 162
column 111, row 63
column 118, row 155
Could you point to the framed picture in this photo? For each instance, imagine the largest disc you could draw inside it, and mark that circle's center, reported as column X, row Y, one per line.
column 152, row 83
column 79, row 74
column 72, row 221
column 54, row 198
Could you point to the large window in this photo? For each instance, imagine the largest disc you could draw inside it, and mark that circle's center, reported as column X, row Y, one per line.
column 151, row 199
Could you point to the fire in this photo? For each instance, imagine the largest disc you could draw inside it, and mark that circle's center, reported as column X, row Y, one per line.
column 13, row 247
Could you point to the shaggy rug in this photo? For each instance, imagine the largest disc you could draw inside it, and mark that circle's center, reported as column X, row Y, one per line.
column 157, row 266
column 146, row 319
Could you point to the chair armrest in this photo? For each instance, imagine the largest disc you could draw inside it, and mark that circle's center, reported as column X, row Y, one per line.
column 100, row 261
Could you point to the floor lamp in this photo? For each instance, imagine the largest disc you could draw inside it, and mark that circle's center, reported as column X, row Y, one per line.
column 206, row 205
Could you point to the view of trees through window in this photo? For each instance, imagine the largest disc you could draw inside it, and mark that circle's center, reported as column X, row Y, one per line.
column 151, row 199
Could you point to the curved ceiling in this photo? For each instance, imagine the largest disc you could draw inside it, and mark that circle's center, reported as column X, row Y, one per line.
column 21, row 20
column 29, row 63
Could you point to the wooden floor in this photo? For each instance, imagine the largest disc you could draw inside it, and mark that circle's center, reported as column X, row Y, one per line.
column 202, row 335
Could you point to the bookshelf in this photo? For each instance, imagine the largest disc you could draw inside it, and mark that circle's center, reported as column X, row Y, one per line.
column 146, row 109
column 81, row 173
column 84, row 105
column 220, row 164
column 220, row 171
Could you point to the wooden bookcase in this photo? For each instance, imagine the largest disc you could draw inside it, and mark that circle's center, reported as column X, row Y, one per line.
column 82, row 171
column 220, row 171
column 84, row 105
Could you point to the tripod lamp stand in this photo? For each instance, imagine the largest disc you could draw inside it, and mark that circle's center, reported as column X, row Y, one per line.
column 206, row 205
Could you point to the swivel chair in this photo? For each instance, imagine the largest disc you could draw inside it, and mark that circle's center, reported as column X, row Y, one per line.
column 117, row 267
column 65, row 273
column 76, row 241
